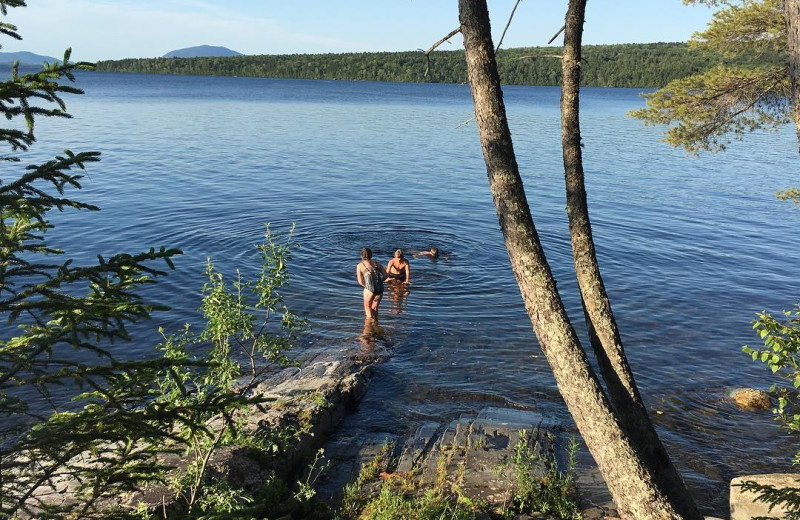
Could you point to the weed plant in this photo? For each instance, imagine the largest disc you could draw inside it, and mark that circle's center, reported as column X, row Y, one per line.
column 405, row 497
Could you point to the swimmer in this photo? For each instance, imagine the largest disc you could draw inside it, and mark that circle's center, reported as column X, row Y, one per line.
column 370, row 275
column 399, row 268
column 433, row 253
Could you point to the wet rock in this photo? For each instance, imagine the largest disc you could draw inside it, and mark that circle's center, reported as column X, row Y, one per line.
column 599, row 513
column 743, row 503
column 751, row 399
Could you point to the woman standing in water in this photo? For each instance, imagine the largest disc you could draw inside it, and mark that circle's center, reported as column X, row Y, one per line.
column 399, row 268
column 370, row 275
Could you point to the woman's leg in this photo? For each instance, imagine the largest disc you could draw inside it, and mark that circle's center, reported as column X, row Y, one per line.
column 368, row 303
column 376, row 300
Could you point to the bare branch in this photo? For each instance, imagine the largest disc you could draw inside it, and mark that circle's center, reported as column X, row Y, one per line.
column 511, row 17
column 532, row 57
column 556, row 34
column 433, row 47
column 468, row 121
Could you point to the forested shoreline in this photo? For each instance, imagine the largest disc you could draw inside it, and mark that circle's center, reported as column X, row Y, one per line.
column 621, row 65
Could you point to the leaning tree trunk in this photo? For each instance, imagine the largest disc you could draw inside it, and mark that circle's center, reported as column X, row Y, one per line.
column 791, row 10
column 631, row 481
column 603, row 331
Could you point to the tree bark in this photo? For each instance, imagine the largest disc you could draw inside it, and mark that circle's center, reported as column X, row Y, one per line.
column 631, row 481
column 604, row 334
column 791, row 10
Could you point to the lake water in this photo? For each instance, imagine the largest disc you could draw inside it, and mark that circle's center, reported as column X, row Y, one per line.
column 690, row 248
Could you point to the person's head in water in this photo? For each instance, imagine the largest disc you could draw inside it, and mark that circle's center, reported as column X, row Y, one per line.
column 434, row 252
column 399, row 254
column 366, row 253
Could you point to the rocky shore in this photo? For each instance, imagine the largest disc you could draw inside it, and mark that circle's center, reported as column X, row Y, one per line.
column 314, row 398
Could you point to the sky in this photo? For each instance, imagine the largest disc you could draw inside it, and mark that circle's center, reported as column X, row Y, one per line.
column 115, row 29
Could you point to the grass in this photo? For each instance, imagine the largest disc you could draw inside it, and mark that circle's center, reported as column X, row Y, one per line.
column 378, row 495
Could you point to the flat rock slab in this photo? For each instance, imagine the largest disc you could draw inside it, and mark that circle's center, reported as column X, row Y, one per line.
column 743, row 503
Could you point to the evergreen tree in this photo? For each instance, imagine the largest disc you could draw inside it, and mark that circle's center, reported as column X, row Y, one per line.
column 708, row 109
column 80, row 425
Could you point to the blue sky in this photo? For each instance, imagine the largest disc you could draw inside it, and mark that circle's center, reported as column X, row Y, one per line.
column 112, row 29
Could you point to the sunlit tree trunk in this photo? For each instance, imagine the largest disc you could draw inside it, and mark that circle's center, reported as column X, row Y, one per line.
column 604, row 334
column 631, row 481
column 791, row 9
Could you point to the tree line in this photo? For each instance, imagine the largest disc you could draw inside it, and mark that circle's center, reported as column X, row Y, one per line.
column 621, row 65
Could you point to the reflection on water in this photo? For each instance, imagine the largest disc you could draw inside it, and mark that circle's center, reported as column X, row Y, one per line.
column 399, row 296
column 373, row 334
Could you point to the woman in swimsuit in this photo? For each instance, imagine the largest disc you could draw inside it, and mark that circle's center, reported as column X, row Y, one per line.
column 399, row 268
column 370, row 275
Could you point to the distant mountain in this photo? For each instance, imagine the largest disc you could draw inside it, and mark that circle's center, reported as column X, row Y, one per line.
column 25, row 58
column 202, row 51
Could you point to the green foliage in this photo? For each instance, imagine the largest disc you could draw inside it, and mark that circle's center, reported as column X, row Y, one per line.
column 792, row 194
column 749, row 91
column 240, row 343
column 625, row 65
column 401, row 496
column 787, row 498
column 781, row 353
column 723, row 103
column 430, row 505
column 64, row 319
column 5, row 27
column 554, row 492
column 75, row 416
column 754, row 28
column 354, row 495
column 404, row 496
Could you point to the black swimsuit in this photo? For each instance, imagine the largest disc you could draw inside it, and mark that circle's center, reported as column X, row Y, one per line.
column 400, row 275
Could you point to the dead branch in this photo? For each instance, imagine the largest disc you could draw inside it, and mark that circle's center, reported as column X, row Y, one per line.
column 507, row 26
column 557, row 56
column 556, row 34
column 468, row 121
column 433, row 47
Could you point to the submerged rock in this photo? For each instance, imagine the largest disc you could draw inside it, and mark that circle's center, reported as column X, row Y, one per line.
column 751, row 399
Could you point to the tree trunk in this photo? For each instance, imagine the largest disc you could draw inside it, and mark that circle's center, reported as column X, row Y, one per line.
column 604, row 334
column 791, row 10
column 631, row 482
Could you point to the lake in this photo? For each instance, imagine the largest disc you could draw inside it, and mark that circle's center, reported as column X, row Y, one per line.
column 690, row 248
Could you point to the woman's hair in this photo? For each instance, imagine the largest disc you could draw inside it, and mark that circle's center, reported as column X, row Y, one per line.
column 434, row 251
column 398, row 253
column 366, row 253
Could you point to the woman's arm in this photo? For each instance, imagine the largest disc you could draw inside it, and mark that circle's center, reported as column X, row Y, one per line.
column 359, row 275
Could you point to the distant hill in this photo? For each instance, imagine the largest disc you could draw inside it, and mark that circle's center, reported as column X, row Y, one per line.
column 202, row 51
column 25, row 58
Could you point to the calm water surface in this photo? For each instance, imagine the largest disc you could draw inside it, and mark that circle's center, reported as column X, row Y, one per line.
column 690, row 248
